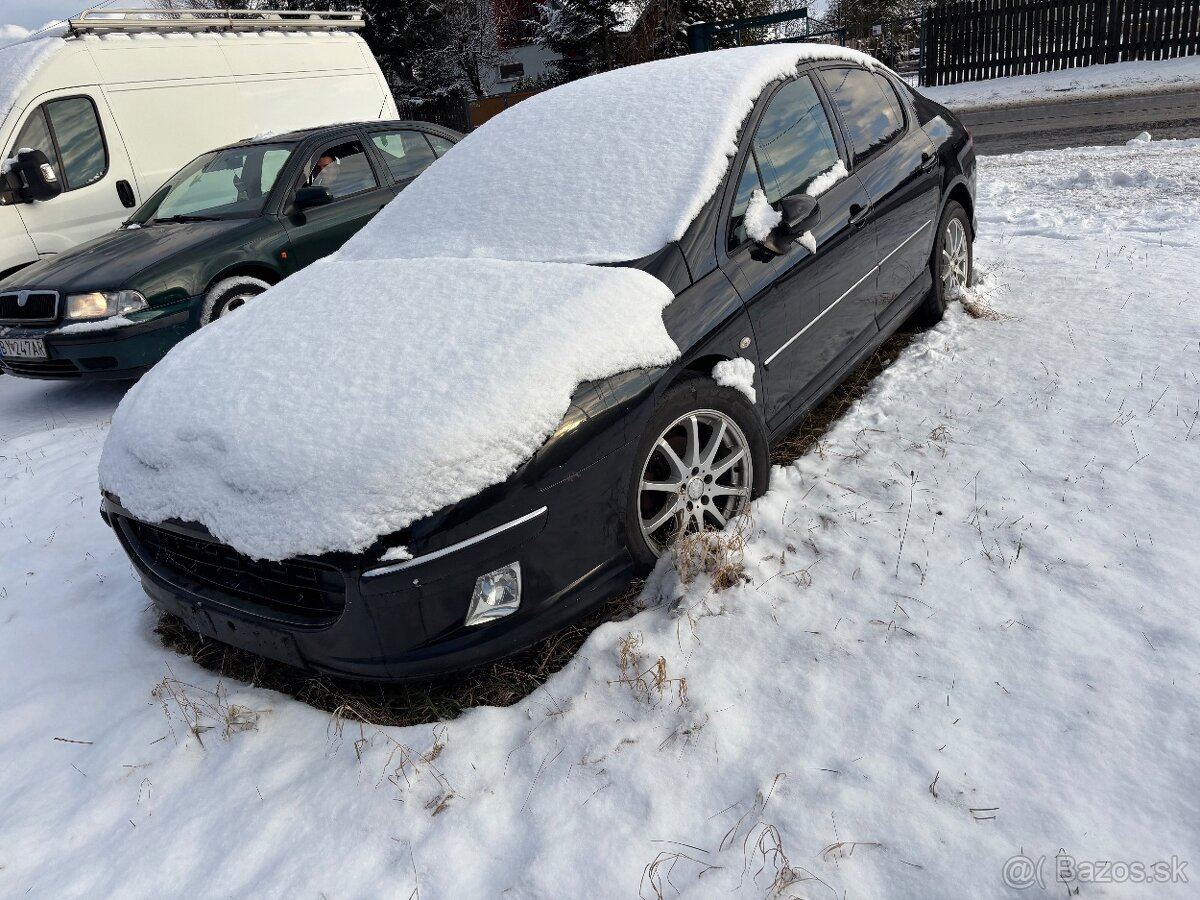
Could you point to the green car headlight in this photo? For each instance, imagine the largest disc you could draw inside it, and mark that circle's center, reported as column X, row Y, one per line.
column 102, row 304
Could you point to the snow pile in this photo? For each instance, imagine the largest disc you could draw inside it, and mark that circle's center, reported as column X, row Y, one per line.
column 827, row 179
column 761, row 217
column 1143, row 138
column 737, row 374
column 19, row 62
column 1093, row 82
column 969, row 633
column 349, row 400
column 605, row 169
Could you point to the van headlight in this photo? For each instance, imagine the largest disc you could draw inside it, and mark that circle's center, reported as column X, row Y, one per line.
column 102, row 304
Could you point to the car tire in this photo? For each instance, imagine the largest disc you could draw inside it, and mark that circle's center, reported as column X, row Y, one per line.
column 951, row 263
column 712, row 487
column 228, row 295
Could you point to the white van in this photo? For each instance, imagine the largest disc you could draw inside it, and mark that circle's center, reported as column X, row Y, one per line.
column 118, row 105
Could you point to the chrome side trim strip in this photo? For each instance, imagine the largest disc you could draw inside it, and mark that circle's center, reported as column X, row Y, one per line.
column 453, row 548
column 928, row 222
column 818, row 318
column 847, row 294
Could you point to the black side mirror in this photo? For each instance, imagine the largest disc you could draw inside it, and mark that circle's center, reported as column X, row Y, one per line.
column 35, row 177
column 800, row 212
column 313, row 195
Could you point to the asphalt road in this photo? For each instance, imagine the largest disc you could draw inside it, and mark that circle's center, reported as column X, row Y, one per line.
column 1081, row 122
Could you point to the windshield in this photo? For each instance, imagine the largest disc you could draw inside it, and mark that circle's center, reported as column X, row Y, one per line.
column 225, row 184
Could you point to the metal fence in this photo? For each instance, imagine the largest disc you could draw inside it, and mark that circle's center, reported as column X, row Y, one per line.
column 968, row 40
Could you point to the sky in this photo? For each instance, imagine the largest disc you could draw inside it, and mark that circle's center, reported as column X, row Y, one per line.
column 20, row 16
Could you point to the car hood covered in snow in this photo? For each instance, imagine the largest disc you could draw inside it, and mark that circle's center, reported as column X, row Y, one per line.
column 605, row 169
column 350, row 400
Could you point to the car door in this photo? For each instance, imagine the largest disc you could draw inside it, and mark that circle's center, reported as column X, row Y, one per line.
column 344, row 166
column 808, row 308
column 405, row 154
column 898, row 166
column 79, row 138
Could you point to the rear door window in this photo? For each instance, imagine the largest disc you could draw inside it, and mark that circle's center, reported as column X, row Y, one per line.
column 872, row 119
column 440, row 144
column 406, row 153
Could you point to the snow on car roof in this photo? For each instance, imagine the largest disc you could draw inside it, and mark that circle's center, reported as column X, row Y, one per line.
column 295, row 427
column 19, row 62
column 605, row 169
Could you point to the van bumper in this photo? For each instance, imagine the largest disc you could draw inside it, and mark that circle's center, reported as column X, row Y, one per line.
column 124, row 352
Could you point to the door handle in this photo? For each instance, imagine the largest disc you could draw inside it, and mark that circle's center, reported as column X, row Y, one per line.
column 928, row 161
column 126, row 195
column 860, row 214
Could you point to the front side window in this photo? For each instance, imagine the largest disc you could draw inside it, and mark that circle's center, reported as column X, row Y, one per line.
column 225, row 184
column 80, row 141
column 406, row 153
column 871, row 118
column 68, row 131
column 794, row 143
column 747, row 185
column 344, row 169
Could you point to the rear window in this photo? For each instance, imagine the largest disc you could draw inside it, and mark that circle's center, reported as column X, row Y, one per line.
column 871, row 118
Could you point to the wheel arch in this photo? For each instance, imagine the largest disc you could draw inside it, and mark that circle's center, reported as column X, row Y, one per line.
column 248, row 269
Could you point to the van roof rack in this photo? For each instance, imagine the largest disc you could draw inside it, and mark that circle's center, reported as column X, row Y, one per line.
column 123, row 21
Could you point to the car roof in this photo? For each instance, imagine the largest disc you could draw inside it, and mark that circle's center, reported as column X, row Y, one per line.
column 302, row 134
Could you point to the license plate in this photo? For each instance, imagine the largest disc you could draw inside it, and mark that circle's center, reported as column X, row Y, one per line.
column 22, row 348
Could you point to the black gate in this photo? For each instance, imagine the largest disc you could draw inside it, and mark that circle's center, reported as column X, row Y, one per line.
column 968, row 40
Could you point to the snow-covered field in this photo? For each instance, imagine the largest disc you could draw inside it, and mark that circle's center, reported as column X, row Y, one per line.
column 967, row 632
column 1089, row 83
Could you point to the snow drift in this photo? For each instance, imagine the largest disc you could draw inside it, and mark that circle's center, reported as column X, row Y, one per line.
column 19, row 62
column 605, row 169
column 351, row 400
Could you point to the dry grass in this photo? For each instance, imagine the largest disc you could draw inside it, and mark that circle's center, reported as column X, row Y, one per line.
column 506, row 682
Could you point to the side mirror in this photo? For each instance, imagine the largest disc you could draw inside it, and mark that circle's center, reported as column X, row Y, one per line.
column 35, row 177
column 313, row 195
column 800, row 212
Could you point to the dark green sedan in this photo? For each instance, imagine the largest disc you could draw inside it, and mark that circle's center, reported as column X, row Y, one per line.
column 223, row 229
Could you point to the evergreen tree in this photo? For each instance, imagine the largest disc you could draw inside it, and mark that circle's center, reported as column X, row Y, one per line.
column 587, row 34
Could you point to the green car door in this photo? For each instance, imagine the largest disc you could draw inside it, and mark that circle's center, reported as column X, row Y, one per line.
column 357, row 191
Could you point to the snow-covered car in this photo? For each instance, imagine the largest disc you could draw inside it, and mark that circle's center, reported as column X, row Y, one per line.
column 571, row 339
column 217, row 233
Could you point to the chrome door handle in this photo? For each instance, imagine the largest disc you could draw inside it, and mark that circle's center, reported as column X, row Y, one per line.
column 860, row 214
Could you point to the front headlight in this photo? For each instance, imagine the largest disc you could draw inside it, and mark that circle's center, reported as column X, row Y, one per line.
column 102, row 304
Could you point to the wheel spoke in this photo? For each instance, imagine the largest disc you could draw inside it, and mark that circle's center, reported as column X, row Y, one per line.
column 665, row 449
column 666, row 487
column 721, row 490
column 691, row 454
column 668, row 513
column 723, row 466
column 714, row 445
column 712, row 511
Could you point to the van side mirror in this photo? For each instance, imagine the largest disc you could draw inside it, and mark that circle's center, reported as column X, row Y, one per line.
column 35, row 177
column 800, row 212
column 313, row 195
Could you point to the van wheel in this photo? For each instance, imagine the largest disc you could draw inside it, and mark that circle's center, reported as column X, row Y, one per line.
column 229, row 295
column 950, row 265
column 701, row 460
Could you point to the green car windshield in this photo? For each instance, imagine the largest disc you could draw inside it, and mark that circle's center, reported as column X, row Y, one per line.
column 225, row 184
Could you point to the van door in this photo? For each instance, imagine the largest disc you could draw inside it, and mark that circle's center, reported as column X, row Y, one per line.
column 76, row 132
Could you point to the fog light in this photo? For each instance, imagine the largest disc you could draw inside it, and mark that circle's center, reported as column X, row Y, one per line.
column 497, row 594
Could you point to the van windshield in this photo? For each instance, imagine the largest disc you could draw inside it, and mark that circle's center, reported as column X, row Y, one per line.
column 225, row 184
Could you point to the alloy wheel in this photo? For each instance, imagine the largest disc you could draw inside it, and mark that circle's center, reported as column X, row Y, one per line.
column 699, row 474
column 237, row 301
column 956, row 259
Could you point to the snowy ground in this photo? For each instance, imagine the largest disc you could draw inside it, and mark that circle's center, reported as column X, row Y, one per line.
column 1092, row 82
column 969, row 632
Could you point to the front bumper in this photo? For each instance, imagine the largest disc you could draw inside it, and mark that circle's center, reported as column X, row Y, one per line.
column 118, row 353
column 400, row 625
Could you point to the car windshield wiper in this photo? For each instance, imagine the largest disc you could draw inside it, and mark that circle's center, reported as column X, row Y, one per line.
column 188, row 219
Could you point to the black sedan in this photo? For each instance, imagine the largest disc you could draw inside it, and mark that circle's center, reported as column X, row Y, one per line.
column 826, row 204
